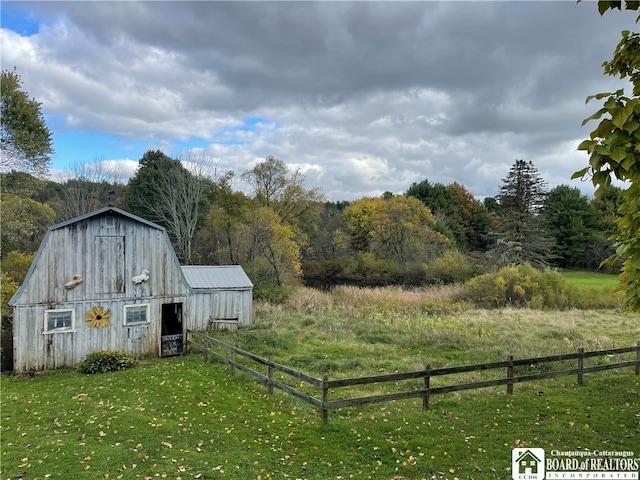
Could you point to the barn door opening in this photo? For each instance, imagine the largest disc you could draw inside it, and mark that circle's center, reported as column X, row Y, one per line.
column 171, row 336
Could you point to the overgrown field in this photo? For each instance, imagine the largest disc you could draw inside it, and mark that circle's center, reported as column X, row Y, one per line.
column 182, row 418
column 351, row 330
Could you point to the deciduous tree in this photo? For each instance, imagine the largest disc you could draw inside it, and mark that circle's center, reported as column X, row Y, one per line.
column 439, row 200
column 21, row 184
column 271, row 253
column 284, row 191
column 93, row 185
column 458, row 214
column 23, row 223
column 15, row 265
column 400, row 229
column 164, row 192
column 359, row 221
column 25, row 139
column 472, row 216
column 220, row 241
column 613, row 149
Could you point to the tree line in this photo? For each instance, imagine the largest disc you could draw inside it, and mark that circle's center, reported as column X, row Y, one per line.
column 284, row 232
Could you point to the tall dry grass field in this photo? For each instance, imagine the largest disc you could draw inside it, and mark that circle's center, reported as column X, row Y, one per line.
column 389, row 329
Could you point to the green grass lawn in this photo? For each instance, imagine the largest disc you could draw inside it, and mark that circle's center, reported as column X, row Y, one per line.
column 180, row 418
column 591, row 279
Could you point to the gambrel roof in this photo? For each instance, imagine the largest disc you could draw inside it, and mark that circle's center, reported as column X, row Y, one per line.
column 102, row 212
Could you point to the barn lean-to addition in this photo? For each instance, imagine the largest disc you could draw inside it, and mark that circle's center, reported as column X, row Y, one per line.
column 222, row 296
column 110, row 280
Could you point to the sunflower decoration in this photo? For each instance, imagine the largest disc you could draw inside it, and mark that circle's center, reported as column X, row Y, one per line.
column 98, row 317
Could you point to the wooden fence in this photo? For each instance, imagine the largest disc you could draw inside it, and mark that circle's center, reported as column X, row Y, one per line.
column 205, row 343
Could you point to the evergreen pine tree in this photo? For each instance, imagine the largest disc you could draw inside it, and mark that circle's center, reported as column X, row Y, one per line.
column 521, row 236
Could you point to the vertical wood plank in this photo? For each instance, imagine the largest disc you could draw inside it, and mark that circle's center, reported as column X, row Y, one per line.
column 427, row 382
column 325, row 399
column 270, row 375
column 232, row 355
column 510, row 374
column 580, row 366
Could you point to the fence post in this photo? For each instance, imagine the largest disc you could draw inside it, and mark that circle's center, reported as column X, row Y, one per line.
column 580, row 365
column 270, row 375
column 427, row 381
column 205, row 349
column 638, row 359
column 325, row 399
column 510, row 374
column 232, row 357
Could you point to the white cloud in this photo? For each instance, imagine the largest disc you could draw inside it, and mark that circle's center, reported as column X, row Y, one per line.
column 364, row 97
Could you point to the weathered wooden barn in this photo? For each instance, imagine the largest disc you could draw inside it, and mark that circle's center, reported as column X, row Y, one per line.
column 110, row 280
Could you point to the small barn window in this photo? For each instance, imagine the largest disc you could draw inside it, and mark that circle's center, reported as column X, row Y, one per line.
column 109, row 222
column 136, row 314
column 59, row 321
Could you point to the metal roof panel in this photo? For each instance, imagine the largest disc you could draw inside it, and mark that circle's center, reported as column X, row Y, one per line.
column 208, row 277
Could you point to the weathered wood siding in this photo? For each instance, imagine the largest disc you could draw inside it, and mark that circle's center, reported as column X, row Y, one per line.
column 108, row 251
column 42, row 351
column 222, row 306
column 107, row 258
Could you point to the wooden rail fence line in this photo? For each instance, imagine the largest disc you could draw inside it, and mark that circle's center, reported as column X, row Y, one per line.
column 325, row 385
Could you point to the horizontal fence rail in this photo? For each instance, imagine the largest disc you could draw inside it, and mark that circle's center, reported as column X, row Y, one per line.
column 204, row 343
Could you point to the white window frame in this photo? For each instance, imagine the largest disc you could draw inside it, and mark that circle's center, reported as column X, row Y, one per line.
column 136, row 305
column 69, row 329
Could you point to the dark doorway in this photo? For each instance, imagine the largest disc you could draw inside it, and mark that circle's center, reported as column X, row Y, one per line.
column 171, row 336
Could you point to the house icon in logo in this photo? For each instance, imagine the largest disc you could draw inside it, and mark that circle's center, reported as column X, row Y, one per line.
column 528, row 463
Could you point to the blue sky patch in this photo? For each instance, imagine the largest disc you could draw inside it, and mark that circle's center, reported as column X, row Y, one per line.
column 18, row 20
column 239, row 134
column 76, row 147
column 252, row 121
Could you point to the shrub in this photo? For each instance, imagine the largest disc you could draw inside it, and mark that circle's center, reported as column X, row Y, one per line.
column 270, row 292
column 414, row 275
column 368, row 270
column 597, row 298
column 103, row 361
column 8, row 288
column 6, row 350
column 520, row 286
column 323, row 272
column 452, row 267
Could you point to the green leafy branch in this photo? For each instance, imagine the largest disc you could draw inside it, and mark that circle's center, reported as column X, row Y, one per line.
column 614, row 151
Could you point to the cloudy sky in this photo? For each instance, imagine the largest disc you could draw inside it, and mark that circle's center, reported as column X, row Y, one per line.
column 364, row 97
